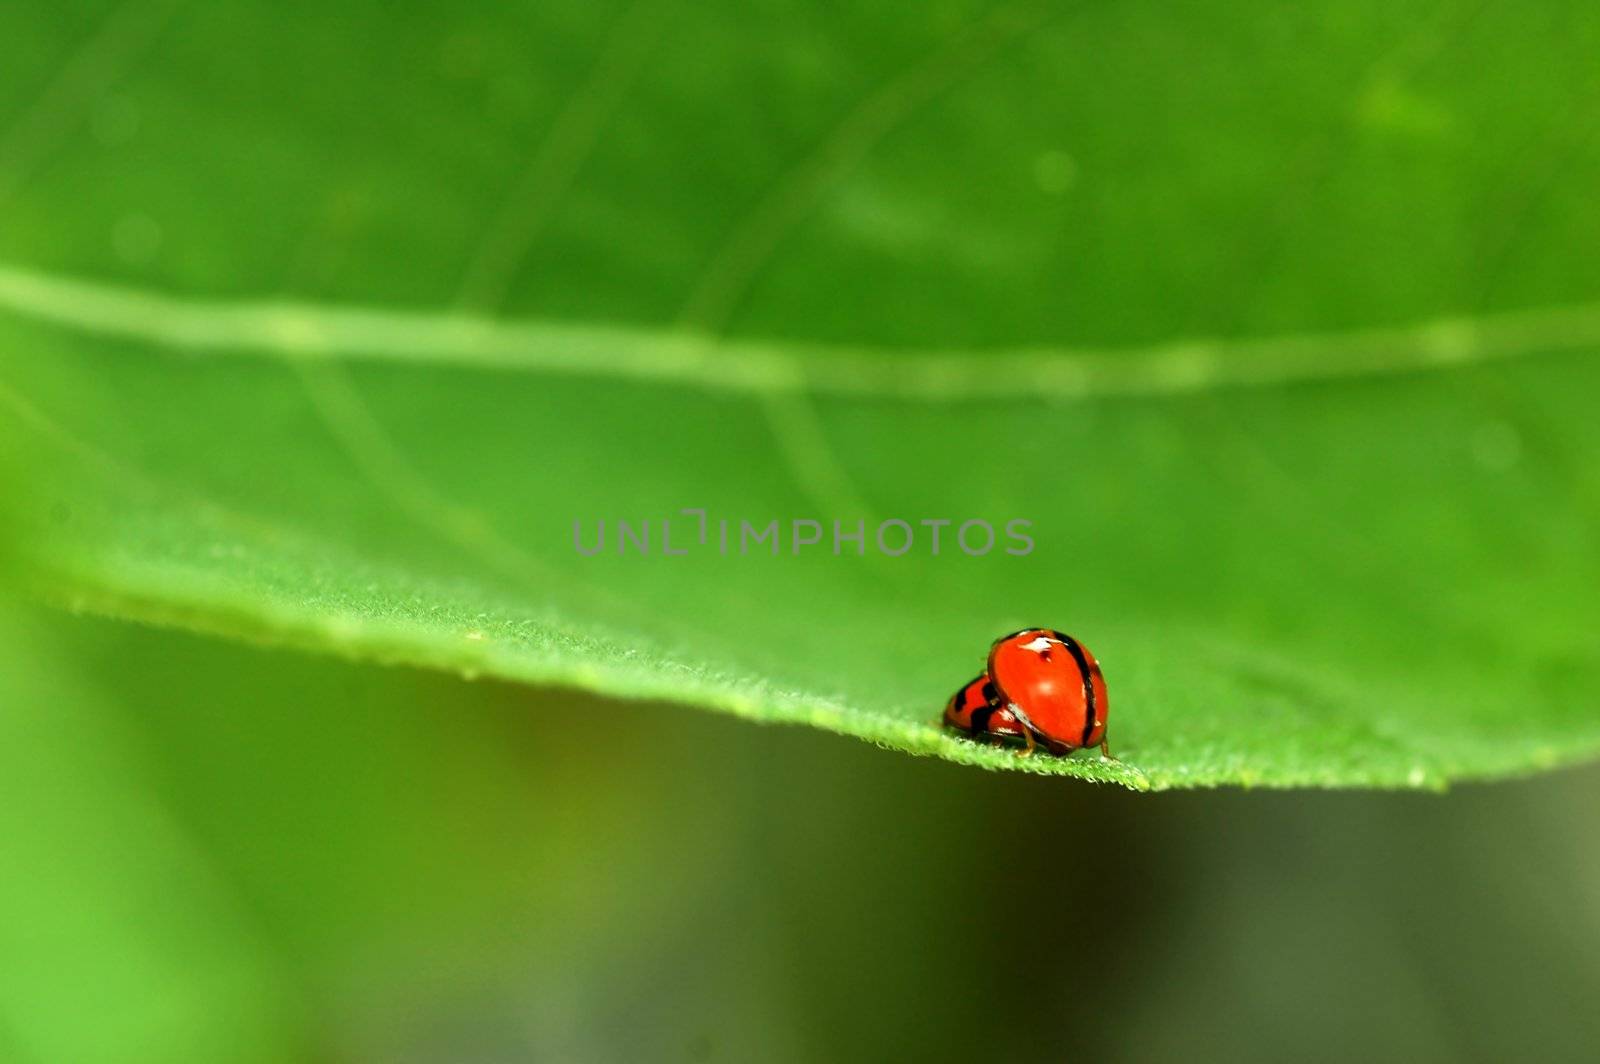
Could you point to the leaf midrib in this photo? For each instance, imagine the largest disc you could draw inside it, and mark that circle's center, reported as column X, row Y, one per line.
column 672, row 356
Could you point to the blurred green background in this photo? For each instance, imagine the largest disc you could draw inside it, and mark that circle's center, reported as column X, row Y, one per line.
column 1289, row 310
column 219, row 853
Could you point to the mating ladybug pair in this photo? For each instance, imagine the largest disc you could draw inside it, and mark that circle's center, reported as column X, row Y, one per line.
column 1042, row 687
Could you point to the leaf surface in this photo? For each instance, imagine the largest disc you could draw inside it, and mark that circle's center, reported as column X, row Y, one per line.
column 1278, row 332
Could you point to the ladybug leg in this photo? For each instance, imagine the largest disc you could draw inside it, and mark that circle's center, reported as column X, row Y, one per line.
column 1105, row 752
column 1027, row 737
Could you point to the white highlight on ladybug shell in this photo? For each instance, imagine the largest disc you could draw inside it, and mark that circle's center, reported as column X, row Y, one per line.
column 1022, row 718
column 1039, row 645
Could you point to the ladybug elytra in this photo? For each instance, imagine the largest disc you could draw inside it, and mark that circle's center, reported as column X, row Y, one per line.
column 1041, row 686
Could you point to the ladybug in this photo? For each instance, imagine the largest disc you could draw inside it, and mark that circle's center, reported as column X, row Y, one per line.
column 1041, row 686
column 976, row 709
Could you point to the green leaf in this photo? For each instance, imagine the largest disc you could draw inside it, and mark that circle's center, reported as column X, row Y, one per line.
column 326, row 326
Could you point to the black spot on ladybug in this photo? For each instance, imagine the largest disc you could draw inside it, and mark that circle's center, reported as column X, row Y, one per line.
column 980, row 719
column 1089, row 711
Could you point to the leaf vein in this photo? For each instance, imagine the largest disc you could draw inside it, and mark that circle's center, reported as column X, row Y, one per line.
column 354, row 333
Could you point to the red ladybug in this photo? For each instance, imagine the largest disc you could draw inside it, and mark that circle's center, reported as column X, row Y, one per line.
column 976, row 709
column 1041, row 686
